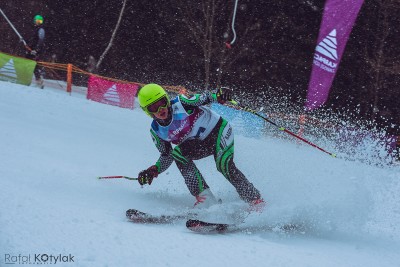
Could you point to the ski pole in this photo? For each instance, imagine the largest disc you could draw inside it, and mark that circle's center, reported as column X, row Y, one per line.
column 236, row 105
column 15, row 30
column 116, row 177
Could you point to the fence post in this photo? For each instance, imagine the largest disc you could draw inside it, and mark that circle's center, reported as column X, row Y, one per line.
column 69, row 78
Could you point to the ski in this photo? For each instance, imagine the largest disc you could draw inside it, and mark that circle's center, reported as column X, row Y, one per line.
column 143, row 217
column 212, row 228
column 207, row 227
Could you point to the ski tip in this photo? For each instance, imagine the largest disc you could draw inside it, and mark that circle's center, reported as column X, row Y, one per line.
column 133, row 212
column 205, row 227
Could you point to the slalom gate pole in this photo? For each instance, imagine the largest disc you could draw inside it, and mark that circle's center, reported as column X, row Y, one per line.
column 236, row 105
column 116, row 177
column 15, row 30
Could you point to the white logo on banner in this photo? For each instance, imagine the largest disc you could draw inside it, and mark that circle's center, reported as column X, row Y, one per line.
column 112, row 95
column 328, row 48
column 8, row 73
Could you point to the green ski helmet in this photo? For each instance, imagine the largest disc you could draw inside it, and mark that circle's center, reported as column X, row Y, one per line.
column 38, row 20
column 149, row 94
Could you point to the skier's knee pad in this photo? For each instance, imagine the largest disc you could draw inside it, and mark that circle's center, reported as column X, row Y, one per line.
column 224, row 148
column 224, row 161
column 178, row 157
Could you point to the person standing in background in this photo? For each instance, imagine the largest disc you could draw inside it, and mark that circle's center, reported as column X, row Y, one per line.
column 36, row 43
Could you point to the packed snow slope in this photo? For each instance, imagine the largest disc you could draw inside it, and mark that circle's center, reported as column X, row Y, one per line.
column 53, row 146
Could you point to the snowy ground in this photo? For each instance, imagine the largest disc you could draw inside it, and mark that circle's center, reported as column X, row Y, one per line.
column 53, row 146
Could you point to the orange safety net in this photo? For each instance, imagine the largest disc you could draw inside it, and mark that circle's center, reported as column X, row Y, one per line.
column 64, row 67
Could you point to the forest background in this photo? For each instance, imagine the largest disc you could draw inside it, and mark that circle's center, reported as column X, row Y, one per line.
column 177, row 42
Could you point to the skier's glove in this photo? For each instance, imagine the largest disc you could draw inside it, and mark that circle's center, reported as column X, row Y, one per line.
column 147, row 176
column 224, row 94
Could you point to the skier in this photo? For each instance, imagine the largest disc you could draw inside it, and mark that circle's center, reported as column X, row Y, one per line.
column 197, row 132
column 36, row 43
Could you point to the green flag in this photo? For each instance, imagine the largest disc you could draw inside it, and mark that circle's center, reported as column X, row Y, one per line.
column 16, row 69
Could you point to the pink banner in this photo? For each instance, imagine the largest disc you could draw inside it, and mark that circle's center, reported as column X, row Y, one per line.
column 337, row 23
column 111, row 93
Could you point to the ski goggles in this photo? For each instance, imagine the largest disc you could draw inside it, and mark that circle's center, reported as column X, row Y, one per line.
column 159, row 104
